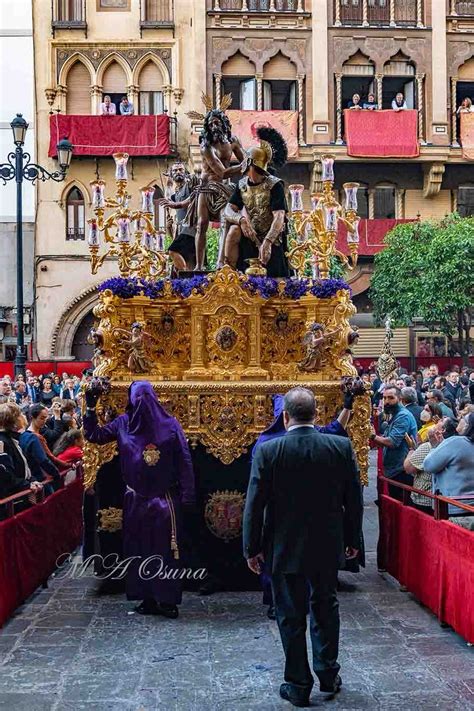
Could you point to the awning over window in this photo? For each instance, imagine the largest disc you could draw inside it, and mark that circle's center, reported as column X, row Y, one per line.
column 381, row 134
column 105, row 135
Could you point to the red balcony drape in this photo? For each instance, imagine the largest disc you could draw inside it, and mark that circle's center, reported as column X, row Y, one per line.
column 381, row 134
column 467, row 136
column 371, row 235
column 105, row 135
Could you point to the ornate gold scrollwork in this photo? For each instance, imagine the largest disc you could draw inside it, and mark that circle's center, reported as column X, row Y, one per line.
column 95, row 456
column 109, row 520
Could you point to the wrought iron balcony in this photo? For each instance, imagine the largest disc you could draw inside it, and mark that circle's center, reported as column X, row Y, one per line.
column 379, row 13
column 258, row 5
column 156, row 13
column 68, row 14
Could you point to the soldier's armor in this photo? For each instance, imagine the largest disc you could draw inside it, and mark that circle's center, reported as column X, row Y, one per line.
column 256, row 199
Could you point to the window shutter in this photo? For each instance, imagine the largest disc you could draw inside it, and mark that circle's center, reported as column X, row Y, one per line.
column 78, row 99
column 115, row 81
column 150, row 78
column 279, row 67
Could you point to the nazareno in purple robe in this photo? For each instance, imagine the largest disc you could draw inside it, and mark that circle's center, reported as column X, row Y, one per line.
column 154, row 493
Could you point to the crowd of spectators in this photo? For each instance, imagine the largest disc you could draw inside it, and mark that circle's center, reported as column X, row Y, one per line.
column 40, row 432
column 425, row 424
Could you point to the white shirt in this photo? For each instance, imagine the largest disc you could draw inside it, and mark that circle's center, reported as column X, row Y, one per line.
column 295, row 427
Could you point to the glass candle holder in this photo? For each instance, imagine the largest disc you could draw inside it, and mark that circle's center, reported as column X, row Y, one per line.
column 160, row 241
column 93, row 238
column 353, row 237
column 98, row 194
column 121, row 160
column 147, row 199
column 296, row 193
column 330, row 217
column 327, row 163
column 123, row 231
column 148, row 240
column 350, row 190
column 316, row 201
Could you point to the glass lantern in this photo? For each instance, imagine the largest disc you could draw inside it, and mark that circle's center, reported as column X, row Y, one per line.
column 160, row 241
column 316, row 201
column 296, row 193
column 148, row 240
column 93, row 239
column 123, row 232
column 350, row 190
column 98, row 196
column 330, row 217
column 147, row 199
column 121, row 160
column 327, row 163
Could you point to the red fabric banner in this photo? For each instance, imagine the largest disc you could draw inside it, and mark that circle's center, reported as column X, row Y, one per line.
column 433, row 559
column 32, row 541
column 381, row 134
column 371, row 235
column 467, row 136
column 105, row 135
column 245, row 124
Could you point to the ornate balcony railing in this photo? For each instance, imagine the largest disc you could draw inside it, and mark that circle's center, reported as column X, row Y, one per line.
column 462, row 7
column 156, row 13
column 379, row 13
column 68, row 14
column 258, row 5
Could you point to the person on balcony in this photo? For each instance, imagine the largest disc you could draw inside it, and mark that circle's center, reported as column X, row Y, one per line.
column 126, row 107
column 399, row 103
column 466, row 106
column 354, row 103
column 107, row 108
column 257, row 210
column 370, row 104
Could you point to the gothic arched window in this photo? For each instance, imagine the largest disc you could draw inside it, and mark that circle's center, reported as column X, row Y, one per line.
column 75, row 214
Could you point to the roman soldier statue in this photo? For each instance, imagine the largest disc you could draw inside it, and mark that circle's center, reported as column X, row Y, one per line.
column 257, row 209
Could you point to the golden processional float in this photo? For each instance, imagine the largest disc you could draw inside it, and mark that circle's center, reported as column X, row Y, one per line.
column 217, row 347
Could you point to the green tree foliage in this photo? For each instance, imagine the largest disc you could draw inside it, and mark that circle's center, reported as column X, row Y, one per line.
column 427, row 271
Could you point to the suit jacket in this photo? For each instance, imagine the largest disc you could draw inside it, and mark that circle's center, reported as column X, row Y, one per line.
column 303, row 498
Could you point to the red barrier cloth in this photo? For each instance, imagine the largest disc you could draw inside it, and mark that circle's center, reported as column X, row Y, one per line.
column 105, row 135
column 371, row 235
column 467, row 136
column 32, row 541
column 433, row 559
column 381, row 134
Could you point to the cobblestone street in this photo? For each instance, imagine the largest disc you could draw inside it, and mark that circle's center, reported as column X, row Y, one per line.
column 68, row 649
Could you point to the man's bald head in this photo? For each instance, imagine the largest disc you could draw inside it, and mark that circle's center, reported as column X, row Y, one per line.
column 300, row 406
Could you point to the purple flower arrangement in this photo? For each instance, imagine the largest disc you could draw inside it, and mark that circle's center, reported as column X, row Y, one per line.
column 266, row 287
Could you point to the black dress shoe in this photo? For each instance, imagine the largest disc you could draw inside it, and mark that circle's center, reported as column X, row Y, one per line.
column 170, row 611
column 147, row 607
column 271, row 613
column 334, row 688
column 288, row 693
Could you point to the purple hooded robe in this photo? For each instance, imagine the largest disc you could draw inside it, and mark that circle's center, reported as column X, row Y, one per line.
column 155, row 490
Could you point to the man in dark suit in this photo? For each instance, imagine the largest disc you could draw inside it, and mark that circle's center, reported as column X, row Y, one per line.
column 303, row 495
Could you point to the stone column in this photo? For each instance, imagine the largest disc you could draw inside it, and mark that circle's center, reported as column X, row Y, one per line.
column 338, row 109
column 419, row 13
column 133, row 94
column 399, row 203
column 452, row 10
column 421, row 108
column 245, row 6
column 217, row 86
column 300, row 7
column 379, row 84
column 259, row 78
column 300, row 79
column 371, row 201
column 167, row 92
column 392, row 13
column 61, row 94
column 454, row 125
column 216, row 5
column 337, row 13
column 365, row 14
column 272, row 6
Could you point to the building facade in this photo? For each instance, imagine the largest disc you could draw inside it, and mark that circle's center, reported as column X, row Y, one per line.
column 293, row 63
column 16, row 40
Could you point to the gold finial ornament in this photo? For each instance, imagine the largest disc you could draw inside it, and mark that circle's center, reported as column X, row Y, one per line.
column 316, row 231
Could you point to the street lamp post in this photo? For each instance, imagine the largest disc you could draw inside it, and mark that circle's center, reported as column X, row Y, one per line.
column 20, row 167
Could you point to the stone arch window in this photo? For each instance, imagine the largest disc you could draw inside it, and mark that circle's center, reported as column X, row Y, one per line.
column 75, row 214
column 385, row 201
column 465, row 200
column 238, row 78
column 399, row 77
column 78, row 100
column 150, row 84
column 114, row 83
column 280, row 90
column 357, row 77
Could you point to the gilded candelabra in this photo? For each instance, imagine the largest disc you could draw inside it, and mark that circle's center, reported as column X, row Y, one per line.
column 316, row 231
column 129, row 235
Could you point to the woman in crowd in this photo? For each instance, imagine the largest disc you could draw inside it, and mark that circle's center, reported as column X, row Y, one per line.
column 70, row 447
column 47, row 393
column 451, row 464
column 430, row 415
column 15, row 473
column 354, row 103
column 56, row 385
column 465, row 107
column 36, row 451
